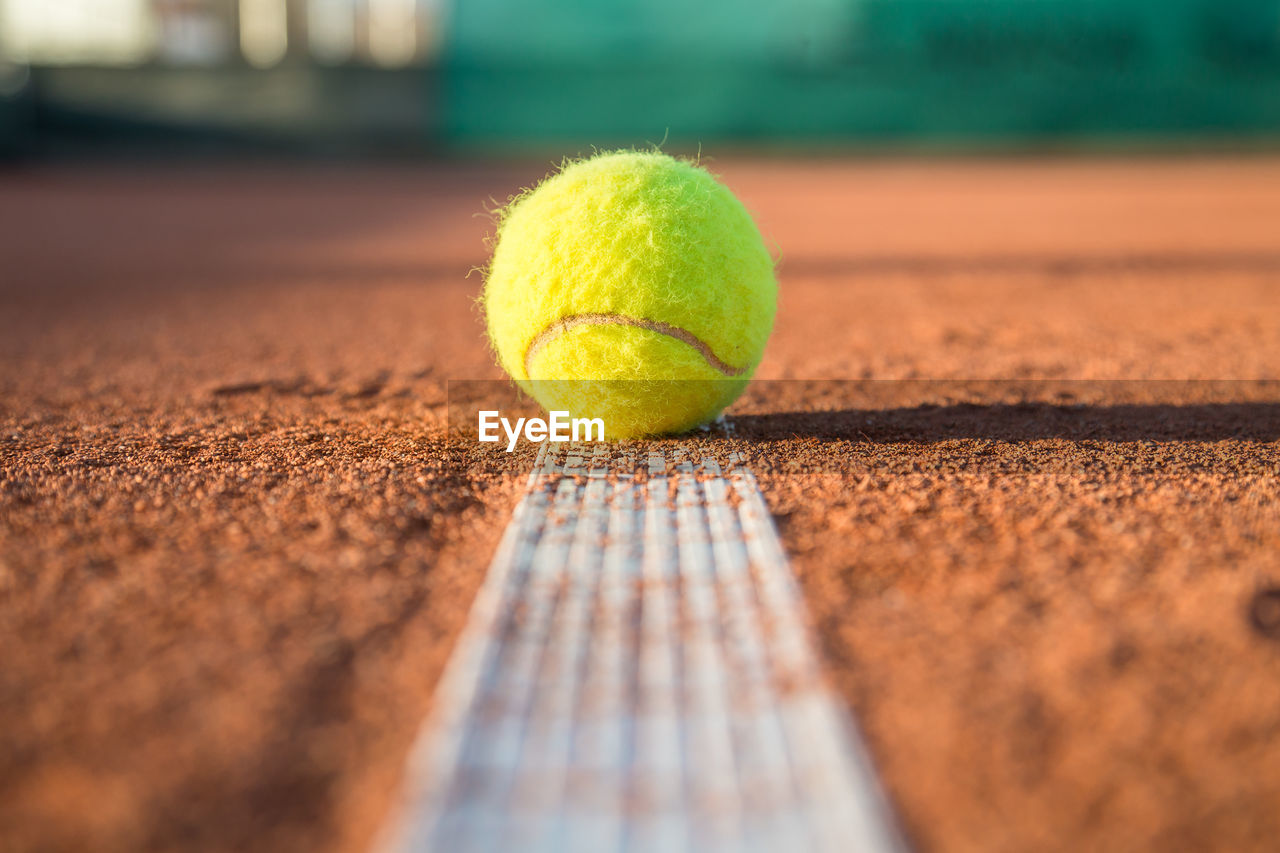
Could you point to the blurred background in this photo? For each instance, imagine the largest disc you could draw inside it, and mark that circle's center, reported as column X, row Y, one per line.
column 339, row 77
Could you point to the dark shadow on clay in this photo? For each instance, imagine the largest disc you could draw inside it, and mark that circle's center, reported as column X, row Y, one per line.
column 1253, row 421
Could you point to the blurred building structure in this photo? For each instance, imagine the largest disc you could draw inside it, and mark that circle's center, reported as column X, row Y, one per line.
column 262, row 33
column 216, row 75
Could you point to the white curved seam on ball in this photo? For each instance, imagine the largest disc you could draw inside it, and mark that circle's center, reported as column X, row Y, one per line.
column 573, row 321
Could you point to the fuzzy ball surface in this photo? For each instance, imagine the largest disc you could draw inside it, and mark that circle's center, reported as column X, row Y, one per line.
column 633, row 287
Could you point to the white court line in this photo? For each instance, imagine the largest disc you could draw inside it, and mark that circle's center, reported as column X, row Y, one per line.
column 636, row 675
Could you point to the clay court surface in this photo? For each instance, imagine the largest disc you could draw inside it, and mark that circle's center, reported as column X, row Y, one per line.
column 236, row 544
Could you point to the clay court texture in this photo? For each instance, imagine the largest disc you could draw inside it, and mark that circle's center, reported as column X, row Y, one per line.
column 237, row 542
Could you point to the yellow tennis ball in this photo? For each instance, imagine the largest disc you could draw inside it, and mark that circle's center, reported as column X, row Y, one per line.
column 631, row 287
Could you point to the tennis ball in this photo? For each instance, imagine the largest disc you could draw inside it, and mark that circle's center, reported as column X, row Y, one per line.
column 633, row 287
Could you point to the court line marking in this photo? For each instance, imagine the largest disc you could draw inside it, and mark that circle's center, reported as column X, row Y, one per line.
column 636, row 674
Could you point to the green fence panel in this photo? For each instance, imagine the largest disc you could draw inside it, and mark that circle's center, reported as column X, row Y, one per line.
column 576, row 71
